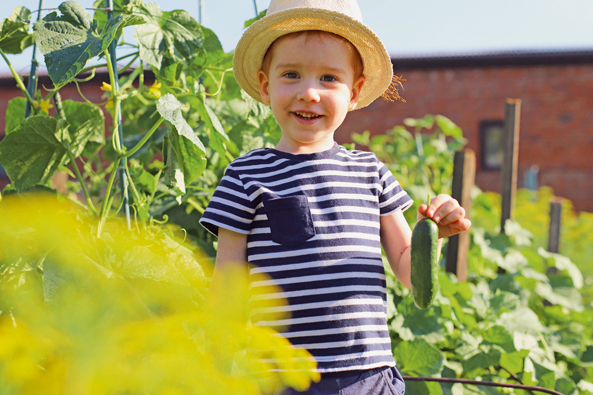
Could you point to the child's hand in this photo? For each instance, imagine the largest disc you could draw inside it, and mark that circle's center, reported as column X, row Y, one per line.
column 448, row 215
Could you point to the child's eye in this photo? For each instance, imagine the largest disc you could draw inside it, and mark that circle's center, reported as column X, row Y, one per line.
column 291, row 75
column 328, row 78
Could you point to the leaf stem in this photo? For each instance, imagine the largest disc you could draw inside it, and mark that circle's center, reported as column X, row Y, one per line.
column 115, row 98
column 115, row 134
column 126, row 67
column 98, row 66
column 104, row 206
column 145, row 138
column 18, row 79
column 220, row 83
column 133, row 187
column 82, row 184
column 111, row 72
column 131, row 79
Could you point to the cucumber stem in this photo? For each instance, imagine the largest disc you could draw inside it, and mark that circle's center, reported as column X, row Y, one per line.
column 428, row 201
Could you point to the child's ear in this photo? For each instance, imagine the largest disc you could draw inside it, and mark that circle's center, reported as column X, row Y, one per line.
column 264, row 85
column 355, row 94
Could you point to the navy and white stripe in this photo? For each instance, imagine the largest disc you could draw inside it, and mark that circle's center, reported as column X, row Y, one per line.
column 330, row 274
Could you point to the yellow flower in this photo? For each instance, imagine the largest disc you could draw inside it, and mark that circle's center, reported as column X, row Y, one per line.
column 109, row 105
column 155, row 89
column 44, row 105
column 106, row 87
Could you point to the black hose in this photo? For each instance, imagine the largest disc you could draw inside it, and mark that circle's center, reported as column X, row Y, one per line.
column 483, row 383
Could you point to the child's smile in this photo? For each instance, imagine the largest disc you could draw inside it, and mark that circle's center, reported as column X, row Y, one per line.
column 311, row 86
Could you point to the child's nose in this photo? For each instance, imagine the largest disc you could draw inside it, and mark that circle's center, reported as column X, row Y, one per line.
column 309, row 93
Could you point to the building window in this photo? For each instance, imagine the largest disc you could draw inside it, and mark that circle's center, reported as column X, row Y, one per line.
column 491, row 141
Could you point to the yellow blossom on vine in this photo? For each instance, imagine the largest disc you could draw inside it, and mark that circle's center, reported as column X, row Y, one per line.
column 43, row 104
column 106, row 87
column 155, row 89
column 109, row 105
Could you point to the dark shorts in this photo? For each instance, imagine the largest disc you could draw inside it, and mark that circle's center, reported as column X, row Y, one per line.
column 380, row 381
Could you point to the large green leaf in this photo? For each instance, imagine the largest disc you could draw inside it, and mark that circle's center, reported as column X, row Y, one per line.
column 564, row 385
column 418, row 358
column 500, row 336
column 485, row 357
column 216, row 133
column 32, row 153
column 212, row 51
column 14, row 31
column 563, row 263
column 173, row 176
column 87, row 127
column 119, row 7
column 69, row 41
column 251, row 21
column 186, row 155
column 513, row 362
column 173, row 34
column 448, row 127
column 413, row 322
column 545, row 377
column 425, row 122
column 522, row 319
column 423, row 388
column 15, row 113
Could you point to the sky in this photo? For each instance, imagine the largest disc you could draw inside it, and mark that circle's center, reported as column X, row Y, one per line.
column 419, row 27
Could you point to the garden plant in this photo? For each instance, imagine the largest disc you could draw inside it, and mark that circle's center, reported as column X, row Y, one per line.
column 94, row 302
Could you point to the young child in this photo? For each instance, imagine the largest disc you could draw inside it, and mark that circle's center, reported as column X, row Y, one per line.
column 309, row 214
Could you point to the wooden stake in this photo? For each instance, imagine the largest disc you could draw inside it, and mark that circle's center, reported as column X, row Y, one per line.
column 555, row 219
column 464, row 171
column 510, row 159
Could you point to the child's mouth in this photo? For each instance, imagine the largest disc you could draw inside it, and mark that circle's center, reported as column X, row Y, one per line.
column 306, row 115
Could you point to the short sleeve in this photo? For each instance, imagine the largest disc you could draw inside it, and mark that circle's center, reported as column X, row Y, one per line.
column 393, row 197
column 230, row 207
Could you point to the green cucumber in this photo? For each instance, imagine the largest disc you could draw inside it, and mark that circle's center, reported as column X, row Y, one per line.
column 424, row 262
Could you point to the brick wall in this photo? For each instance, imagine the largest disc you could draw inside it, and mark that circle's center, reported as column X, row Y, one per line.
column 556, row 131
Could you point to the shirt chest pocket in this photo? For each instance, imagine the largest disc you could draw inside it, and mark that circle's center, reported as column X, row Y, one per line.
column 290, row 220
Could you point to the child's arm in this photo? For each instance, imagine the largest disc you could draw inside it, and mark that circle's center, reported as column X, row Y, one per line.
column 396, row 235
column 231, row 255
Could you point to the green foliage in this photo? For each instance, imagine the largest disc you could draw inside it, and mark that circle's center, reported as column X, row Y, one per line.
column 174, row 35
column 69, row 41
column 32, row 153
column 185, row 153
column 520, row 318
column 15, row 113
column 207, row 121
column 14, row 33
column 86, row 127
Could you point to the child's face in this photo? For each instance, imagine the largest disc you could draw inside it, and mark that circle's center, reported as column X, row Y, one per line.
column 310, row 85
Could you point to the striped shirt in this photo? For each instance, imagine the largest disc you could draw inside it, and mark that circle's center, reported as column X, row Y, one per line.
column 312, row 226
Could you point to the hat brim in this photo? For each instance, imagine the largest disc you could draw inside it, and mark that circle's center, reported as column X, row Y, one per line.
column 252, row 47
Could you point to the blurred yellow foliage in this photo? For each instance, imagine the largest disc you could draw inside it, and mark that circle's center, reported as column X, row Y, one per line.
column 125, row 313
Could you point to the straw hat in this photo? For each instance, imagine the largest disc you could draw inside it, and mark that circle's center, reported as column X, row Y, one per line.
column 341, row 17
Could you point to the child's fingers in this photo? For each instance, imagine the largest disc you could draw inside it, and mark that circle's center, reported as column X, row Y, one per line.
column 444, row 206
column 454, row 228
column 422, row 209
column 436, row 203
column 457, row 214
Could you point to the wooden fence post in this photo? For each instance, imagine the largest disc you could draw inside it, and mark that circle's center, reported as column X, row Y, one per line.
column 464, row 172
column 555, row 218
column 510, row 159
